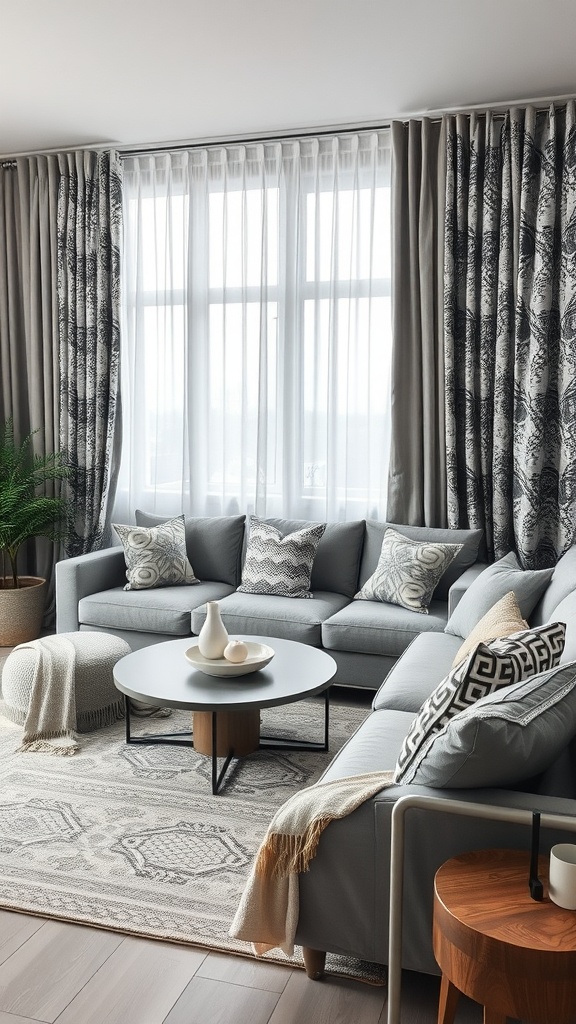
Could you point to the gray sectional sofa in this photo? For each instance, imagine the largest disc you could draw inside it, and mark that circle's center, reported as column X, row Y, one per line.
column 364, row 637
column 344, row 898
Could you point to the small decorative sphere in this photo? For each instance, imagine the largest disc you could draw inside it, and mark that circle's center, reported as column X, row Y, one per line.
column 236, row 652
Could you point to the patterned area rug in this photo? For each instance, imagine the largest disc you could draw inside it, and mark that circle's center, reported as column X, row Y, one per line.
column 131, row 838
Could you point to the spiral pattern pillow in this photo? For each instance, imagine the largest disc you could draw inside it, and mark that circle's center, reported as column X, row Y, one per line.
column 156, row 556
column 408, row 571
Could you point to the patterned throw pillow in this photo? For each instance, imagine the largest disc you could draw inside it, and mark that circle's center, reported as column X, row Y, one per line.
column 279, row 565
column 506, row 661
column 408, row 571
column 503, row 619
column 156, row 556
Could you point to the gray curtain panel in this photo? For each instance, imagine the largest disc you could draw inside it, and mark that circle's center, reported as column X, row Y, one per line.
column 89, row 239
column 29, row 388
column 417, row 475
column 510, row 330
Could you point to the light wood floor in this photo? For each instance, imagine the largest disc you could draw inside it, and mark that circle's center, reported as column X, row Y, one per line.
column 71, row 974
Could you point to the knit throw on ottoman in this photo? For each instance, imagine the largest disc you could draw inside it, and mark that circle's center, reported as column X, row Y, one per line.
column 50, row 725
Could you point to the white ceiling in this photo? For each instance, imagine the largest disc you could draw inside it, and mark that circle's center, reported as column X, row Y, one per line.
column 76, row 72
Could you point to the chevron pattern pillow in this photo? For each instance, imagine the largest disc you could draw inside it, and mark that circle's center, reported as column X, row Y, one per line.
column 486, row 669
column 277, row 565
column 408, row 571
column 156, row 556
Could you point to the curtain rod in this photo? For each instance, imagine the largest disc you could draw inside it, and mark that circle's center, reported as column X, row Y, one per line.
column 254, row 138
column 141, row 149
column 535, row 101
column 362, row 126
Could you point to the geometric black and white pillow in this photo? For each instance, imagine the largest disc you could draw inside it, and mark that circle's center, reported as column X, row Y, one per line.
column 408, row 571
column 487, row 668
column 156, row 556
column 277, row 565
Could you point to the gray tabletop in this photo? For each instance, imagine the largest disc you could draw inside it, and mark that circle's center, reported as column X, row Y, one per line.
column 161, row 674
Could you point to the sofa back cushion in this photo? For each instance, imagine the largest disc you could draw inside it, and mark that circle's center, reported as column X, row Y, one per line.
column 338, row 554
column 493, row 583
column 468, row 554
column 213, row 544
column 567, row 613
column 562, row 584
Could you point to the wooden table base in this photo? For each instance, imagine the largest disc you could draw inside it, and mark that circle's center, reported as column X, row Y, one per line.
column 238, row 731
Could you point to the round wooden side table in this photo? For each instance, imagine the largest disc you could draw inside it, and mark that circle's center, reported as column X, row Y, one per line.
column 493, row 942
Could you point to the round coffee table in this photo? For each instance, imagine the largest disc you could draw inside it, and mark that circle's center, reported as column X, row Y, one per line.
column 226, row 721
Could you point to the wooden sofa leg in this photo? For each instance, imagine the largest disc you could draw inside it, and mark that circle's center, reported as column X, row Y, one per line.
column 314, row 962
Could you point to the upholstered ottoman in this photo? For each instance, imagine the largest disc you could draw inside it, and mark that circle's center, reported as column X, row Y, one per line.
column 98, row 702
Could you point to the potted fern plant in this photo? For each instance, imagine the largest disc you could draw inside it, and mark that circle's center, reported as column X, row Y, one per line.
column 25, row 512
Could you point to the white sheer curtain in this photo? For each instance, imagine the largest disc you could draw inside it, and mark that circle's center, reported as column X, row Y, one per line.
column 256, row 331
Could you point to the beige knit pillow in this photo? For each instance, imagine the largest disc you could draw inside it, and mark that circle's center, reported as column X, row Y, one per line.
column 503, row 619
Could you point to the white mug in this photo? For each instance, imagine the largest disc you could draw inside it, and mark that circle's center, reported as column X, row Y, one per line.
column 562, row 887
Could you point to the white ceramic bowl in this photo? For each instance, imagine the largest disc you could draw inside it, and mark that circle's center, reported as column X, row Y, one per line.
column 259, row 655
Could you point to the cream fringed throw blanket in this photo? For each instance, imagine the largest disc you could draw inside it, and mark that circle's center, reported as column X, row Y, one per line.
column 268, row 912
column 50, row 725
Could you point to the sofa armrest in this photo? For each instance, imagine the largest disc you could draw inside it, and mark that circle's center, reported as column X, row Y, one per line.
column 460, row 586
column 83, row 575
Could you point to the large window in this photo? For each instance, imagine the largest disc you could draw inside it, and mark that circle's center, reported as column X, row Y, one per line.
column 256, row 333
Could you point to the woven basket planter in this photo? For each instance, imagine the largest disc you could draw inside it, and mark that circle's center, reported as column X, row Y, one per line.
column 21, row 610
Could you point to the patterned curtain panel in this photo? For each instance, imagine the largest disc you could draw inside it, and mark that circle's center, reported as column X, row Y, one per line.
column 89, row 237
column 509, row 330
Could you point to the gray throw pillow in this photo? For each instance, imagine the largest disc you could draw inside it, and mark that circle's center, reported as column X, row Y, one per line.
column 493, row 583
column 279, row 565
column 407, row 572
column 506, row 737
column 487, row 668
column 156, row 556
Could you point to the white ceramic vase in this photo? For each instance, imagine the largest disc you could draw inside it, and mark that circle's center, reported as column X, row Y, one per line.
column 213, row 637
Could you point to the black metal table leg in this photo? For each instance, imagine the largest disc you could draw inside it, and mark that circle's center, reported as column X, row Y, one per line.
column 277, row 743
column 326, row 718
column 185, row 739
column 127, row 718
column 217, row 779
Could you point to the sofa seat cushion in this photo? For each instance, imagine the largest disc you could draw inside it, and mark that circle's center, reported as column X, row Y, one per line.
column 288, row 618
column 374, row 747
column 373, row 627
column 425, row 663
column 166, row 610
